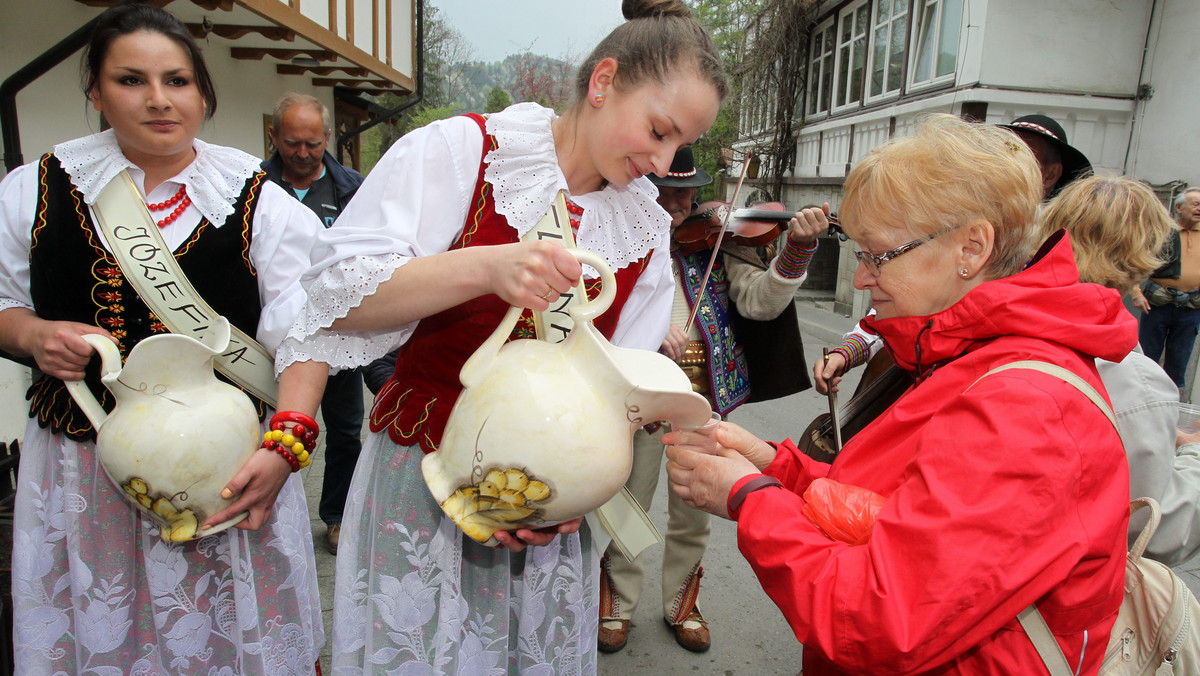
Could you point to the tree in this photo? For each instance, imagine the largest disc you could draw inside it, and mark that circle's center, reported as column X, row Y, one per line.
column 773, row 70
column 497, row 100
column 726, row 21
column 542, row 79
column 446, row 50
column 764, row 44
column 428, row 114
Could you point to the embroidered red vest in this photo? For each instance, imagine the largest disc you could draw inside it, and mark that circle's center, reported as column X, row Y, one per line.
column 415, row 403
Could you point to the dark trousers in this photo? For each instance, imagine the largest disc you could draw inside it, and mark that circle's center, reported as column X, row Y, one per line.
column 1171, row 330
column 342, row 417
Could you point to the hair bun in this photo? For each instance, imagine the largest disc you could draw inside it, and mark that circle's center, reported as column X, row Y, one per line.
column 641, row 9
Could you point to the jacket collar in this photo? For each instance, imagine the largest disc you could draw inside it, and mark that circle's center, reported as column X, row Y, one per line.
column 1046, row 300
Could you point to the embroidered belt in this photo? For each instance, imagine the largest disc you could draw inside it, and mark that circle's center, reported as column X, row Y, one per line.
column 695, row 365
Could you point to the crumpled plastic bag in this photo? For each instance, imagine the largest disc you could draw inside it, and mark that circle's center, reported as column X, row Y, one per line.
column 843, row 513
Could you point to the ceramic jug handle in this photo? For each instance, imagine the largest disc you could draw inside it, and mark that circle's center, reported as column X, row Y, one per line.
column 590, row 309
column 110, row 362
column 480, row 362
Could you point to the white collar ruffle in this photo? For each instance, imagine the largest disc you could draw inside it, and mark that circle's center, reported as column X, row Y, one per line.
column 620, row 224
column 214, row 179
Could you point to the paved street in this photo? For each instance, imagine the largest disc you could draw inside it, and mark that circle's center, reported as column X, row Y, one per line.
column 750, row 636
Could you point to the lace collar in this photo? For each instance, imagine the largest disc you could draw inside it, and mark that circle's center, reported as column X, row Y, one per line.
column 214, row 179
column 621, row 224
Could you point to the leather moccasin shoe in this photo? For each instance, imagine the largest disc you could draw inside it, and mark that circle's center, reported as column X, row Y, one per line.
column 692, row 633
column 614, row 634
column 331, row 537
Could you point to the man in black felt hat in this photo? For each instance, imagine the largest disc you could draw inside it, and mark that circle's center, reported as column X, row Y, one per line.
column 746, row 301
column 1060, row 162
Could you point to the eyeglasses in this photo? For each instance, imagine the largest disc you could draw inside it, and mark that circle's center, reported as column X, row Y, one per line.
column 875, row 261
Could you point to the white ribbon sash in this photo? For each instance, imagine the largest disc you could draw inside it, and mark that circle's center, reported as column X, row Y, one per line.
column 621, row 518
column 150, row 267
column 554, row 323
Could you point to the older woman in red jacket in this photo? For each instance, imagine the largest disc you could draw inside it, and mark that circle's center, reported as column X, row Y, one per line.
column 997, row 492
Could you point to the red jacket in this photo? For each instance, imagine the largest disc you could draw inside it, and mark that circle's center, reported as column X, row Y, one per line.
column 1012, row 493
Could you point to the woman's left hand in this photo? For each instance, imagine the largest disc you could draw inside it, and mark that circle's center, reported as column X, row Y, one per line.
column 254, row 488
column 518, row 540
column 808, row 224
column 703, row 476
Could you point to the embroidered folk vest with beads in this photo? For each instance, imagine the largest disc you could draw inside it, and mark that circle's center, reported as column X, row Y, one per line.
column 729, row 378
column 74, row 278
column 415, row 403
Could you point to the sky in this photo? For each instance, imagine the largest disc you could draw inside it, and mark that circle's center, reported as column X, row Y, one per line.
column 557, row 28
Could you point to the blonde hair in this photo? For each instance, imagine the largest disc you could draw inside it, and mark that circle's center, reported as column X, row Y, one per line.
column 1117, row 225
column 951, row 173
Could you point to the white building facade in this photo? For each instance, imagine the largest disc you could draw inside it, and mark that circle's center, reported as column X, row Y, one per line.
column 1118, row 75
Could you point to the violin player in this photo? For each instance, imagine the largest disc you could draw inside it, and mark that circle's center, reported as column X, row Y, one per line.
column 712, row 355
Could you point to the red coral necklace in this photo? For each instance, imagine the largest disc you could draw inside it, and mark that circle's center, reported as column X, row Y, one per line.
column 180, row 197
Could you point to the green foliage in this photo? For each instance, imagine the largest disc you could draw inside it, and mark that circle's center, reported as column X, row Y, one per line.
column 726, row 21
column 429, row 114
column 497, row 100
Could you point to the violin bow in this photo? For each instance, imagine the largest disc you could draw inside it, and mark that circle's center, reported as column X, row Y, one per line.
column 717, row 247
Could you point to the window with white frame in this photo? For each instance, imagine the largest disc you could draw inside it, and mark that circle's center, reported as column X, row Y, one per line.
column 820, row 68
column 889, row 36
column 937, row 24
column 851, row 61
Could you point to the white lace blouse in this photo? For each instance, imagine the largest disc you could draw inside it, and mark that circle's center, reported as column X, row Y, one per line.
column 284, row 230
column 415, row 201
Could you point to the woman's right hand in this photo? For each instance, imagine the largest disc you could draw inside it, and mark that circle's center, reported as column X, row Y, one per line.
column 827, row 373
column 59, row 349
column 718, row 439
column 532, row 274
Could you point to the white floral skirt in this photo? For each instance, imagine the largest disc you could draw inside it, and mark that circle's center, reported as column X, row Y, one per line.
column 97, row 591
column 416, row 596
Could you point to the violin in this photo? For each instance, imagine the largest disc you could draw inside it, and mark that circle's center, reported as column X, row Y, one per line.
column 882, row 383
column 755, row 226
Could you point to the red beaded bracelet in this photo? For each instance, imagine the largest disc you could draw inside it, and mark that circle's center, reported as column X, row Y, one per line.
column 303, row 426
column 284, row 453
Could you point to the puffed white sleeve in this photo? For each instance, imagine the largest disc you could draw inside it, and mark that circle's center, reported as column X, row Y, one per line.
column 646, row 315
column 18, row 202
column 285, row 232
column 413, row 203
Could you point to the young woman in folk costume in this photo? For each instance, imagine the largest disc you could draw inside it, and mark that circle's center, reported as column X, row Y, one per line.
column 429, row 256
column 96, row 590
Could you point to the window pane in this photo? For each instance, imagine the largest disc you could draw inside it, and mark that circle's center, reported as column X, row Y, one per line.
column 896, row 61
column 878, row 60
column 826, row 83
column 860, row 24
column 948, row 42
column 860, row 67
column 843, row 75
column 924, row 60
column 885, row 10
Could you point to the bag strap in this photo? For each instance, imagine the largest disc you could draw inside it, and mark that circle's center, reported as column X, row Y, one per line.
column 1030, row 618
column 1043, row 640
column 1067, row 376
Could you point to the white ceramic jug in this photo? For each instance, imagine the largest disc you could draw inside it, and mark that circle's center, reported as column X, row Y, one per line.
column 177, row 434
column 543, row 432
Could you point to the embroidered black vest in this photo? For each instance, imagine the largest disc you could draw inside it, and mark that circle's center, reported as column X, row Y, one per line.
column 74, row 278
